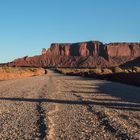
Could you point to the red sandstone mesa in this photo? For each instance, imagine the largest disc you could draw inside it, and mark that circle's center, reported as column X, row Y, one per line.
column 83, row 54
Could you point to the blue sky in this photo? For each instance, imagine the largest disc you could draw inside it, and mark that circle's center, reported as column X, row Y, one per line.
column 27, row 26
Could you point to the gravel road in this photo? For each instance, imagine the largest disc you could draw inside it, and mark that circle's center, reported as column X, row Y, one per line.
column 59, row 107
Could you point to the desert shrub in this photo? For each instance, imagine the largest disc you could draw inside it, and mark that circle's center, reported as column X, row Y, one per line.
column 117, row 70
column 130, row 70
column 136, row 69
column 96, row 71
column 64, row 70
column 126, row 71
column 106, row 71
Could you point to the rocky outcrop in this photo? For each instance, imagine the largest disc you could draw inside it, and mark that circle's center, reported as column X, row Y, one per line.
column 83, row 54
column 44, row 51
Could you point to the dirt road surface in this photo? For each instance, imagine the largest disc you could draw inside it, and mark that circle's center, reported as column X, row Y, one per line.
column 59, row 107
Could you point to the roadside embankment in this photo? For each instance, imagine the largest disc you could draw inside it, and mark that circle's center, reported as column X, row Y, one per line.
column 7, row 73
column 123, row 75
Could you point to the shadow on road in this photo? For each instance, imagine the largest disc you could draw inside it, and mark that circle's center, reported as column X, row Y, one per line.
column 127, row 97
column 126, row 93
column 116, row 105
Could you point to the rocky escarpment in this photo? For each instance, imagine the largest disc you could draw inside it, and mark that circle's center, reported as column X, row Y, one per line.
column 83, row 54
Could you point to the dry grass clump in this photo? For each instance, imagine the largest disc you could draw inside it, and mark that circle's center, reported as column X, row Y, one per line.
column 99, row 71
column 117, row 70
column 84, row 70
column 106, row 71
column 17, row 72
column 71, row 70
column 96, row 70
column 136, row 69
column 124, row 75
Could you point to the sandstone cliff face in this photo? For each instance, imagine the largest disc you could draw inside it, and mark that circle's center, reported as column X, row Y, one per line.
column 123, row 49
column 83, row 54
column 83, row 49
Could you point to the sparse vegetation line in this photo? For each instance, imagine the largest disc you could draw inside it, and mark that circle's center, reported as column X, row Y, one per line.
column 124, row 75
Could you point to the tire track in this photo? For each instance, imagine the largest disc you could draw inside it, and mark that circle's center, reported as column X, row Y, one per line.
column 53, row 109
column 51, row 132
column 41, row 121
column 41, row 112
column 105, row 123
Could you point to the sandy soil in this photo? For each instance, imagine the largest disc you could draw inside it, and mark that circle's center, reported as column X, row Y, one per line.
column 7, row 73
column 59, row 107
